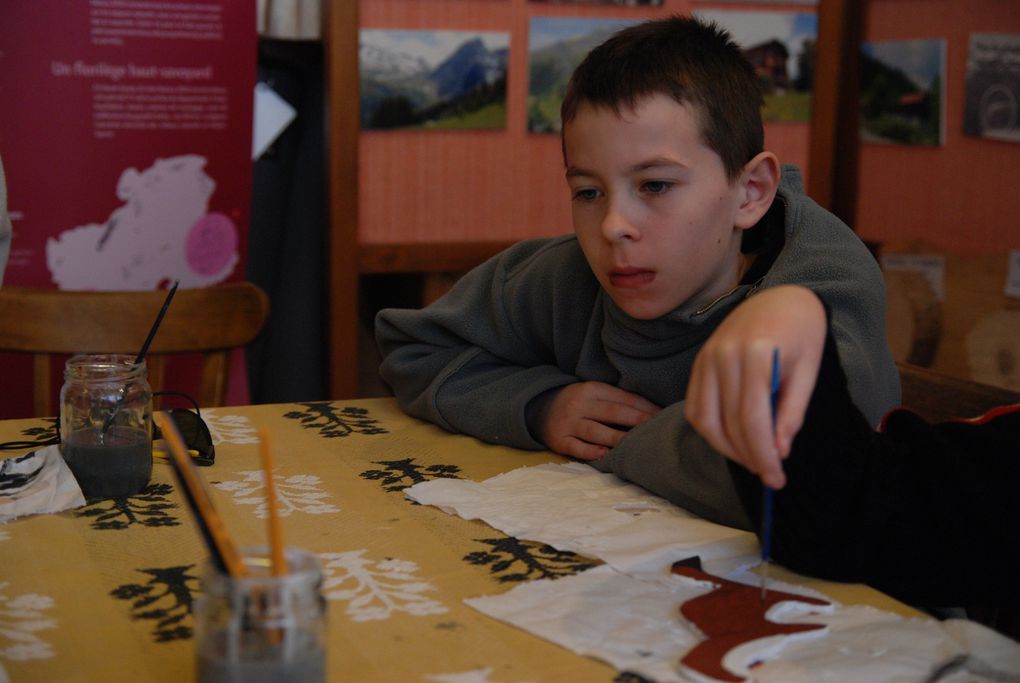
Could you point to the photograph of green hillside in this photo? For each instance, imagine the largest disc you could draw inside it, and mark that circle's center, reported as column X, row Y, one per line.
column 432, row 79
column 781, row 46
column 902, row 92
column 556, row 45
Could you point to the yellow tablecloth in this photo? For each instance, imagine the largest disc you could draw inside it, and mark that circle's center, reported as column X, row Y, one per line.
column 103, row 592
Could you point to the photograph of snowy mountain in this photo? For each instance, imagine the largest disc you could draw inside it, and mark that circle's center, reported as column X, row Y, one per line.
column 433, row 79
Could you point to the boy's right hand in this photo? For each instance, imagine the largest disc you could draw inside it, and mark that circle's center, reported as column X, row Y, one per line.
column 586, row 419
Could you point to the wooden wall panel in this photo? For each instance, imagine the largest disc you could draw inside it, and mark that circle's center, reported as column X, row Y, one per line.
column 962, row 196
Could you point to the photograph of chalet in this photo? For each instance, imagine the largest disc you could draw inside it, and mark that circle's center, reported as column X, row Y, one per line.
column 902, row 92
column 781, row 46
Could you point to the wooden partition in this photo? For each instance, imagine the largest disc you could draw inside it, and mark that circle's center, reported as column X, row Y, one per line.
column 443, row 201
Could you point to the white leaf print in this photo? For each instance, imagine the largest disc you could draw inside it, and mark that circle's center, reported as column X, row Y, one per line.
column 375, row 590
column 20, row 619
column 298, row 493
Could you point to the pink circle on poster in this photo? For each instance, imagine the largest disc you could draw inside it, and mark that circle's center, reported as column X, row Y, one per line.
column 211, row 243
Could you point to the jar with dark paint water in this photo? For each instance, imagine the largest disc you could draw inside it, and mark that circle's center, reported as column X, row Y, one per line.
column 106, row 424
column 262, row 628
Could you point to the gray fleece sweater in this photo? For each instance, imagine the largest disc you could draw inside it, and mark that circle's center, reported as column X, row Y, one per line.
column 534, row 318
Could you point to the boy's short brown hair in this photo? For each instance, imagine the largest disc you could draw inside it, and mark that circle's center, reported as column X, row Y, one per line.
column 695, row 63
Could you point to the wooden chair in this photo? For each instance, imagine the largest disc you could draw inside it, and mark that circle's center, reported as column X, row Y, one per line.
column 938, row 397
column 210, row 321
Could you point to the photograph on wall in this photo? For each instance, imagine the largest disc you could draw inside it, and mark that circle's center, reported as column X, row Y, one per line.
column 433, row 80
column 992, row 104
column 556, row 45
column 781, row 46
column 902, row 92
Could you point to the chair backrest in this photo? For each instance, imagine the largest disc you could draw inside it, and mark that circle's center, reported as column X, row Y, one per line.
column 210, row 321
column 938, row 397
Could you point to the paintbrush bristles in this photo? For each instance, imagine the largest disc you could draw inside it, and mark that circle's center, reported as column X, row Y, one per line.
column 221, row 546
column 275, row 532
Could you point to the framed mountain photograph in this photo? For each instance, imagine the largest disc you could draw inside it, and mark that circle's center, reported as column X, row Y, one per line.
column 437, row 80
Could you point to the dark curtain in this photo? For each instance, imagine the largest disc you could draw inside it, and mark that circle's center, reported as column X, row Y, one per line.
column 287, row 239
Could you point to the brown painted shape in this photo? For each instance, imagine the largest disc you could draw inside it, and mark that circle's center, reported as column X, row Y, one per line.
column 730, row 615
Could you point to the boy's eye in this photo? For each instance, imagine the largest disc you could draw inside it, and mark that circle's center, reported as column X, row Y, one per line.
column 586, row 194
column 656, row 186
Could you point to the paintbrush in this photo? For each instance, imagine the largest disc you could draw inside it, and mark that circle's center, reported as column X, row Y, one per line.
column 276, row 547
column 141, row 356
column 767, row 492
column 221, row 548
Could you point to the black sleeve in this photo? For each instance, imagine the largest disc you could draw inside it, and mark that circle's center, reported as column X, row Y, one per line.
column 929, row 514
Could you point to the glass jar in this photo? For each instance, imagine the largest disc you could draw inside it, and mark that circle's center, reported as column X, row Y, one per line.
column 106, row 424
column 261, row 627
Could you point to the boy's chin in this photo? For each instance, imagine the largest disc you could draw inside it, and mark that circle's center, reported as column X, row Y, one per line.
column 640, row 309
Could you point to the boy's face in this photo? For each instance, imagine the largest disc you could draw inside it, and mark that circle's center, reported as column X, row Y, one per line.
column 653, row 210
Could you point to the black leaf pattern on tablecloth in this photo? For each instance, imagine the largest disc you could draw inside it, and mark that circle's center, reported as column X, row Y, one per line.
column 148, row 508
column 165, row 599
column 45, row 434
column 333, row 423
column 401, row 474
column 511, row 559
column 12, row 482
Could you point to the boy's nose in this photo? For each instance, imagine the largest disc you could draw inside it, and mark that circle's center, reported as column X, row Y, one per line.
column 616, row 226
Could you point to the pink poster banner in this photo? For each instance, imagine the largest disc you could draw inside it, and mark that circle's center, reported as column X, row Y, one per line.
column 125, row 130
column 125, row 133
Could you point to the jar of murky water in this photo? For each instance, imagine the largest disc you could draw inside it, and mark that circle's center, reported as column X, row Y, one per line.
column 106, row 424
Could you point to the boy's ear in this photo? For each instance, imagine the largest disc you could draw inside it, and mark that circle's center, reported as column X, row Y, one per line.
column 759, row 182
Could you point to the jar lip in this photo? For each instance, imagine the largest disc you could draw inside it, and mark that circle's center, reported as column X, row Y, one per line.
column 303, row 567
column 109, row 366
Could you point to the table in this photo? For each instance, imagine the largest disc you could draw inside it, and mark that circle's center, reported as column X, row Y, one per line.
column 103, row 592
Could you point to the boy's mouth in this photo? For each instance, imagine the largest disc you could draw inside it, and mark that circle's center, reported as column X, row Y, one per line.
column 629, row 278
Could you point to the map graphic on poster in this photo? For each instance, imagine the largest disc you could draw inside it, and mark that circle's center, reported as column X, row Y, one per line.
column 162, row 232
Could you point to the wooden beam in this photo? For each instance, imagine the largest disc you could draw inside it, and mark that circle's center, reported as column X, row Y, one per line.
column 423, row 257
column 342, row 95
column 833, row 153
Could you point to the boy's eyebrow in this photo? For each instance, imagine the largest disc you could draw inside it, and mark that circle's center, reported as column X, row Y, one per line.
column 655, row 162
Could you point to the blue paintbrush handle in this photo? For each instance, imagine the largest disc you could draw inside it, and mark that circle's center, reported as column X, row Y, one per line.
column 766, row 519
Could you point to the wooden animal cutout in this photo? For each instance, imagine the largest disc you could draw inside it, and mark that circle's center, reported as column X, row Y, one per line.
column 730, row 615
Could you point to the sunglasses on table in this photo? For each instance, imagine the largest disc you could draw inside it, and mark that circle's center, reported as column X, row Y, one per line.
column 194, row 431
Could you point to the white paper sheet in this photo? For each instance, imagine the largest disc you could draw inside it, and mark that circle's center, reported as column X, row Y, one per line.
column 37, row 483
column 633, row 623
column 627, row 613
column 575, row 507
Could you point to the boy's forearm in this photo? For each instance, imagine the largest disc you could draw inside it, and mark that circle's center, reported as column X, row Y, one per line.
column 667, row 457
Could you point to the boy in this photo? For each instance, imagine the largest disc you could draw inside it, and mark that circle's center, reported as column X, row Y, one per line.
column 584, row 344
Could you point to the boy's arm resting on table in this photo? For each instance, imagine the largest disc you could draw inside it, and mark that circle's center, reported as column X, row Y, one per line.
column 666, row 456
column 462, row 363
